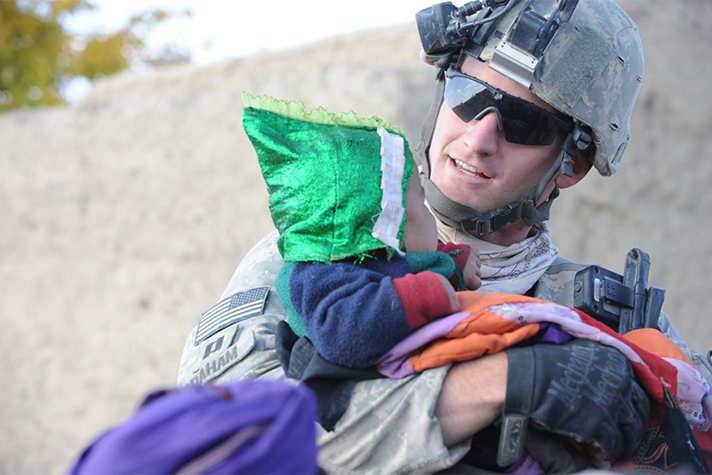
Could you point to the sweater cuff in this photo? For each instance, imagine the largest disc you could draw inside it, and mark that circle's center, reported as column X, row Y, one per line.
column 423, row 298
column 459, row 252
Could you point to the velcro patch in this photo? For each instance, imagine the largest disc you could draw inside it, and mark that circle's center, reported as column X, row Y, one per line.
column 236, row 308
column 222, row 354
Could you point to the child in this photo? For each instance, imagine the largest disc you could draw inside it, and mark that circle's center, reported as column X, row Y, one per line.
column 363, row 267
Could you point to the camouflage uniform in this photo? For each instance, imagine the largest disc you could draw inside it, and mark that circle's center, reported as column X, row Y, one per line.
column 371, row 437
column 591, row 71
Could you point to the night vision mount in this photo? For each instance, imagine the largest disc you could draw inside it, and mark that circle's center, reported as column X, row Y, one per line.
column 446, row 30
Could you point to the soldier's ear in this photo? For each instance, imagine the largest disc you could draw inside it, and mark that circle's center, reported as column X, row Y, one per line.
column 582, row 165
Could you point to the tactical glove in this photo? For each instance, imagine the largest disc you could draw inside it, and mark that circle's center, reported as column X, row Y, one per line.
column 554, row 453
column 581, row 390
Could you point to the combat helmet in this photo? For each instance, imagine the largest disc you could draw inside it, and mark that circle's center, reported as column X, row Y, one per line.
column 582, row 57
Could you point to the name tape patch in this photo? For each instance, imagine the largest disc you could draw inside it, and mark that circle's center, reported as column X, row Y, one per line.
column 236, row 308
column 222, row 354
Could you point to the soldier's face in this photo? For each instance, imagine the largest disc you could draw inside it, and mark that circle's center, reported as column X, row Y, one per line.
column 472, row 163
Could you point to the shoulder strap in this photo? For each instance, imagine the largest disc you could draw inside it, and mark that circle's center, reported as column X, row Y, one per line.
column 561, row 264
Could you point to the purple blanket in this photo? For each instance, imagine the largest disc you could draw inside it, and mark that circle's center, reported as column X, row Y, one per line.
column 245, row 427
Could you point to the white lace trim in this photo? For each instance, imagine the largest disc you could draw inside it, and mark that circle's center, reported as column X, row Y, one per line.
column 392, row 165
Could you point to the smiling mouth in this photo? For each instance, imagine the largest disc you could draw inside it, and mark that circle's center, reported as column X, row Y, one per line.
column 468, row 170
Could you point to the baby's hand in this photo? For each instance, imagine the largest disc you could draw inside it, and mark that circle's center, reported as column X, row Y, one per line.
column 467, row 259
column 454, row 303
column 471, row 272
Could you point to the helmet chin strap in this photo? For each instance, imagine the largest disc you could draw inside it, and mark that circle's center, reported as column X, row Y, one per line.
column 480, row 224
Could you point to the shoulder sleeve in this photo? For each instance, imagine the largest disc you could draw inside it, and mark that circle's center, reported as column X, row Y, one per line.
column 701, row 362
column 245, row 348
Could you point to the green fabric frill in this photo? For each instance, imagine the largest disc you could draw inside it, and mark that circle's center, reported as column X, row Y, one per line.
column 298, row 111
column 323, row 175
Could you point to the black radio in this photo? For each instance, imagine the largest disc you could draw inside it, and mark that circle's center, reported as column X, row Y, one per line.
column 622, row 302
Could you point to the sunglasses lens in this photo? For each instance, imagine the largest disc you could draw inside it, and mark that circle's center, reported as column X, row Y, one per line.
column 466, row 98
column 523, row 123
column 526, row 125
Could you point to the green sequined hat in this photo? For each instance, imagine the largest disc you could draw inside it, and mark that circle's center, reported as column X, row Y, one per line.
column 337, row 183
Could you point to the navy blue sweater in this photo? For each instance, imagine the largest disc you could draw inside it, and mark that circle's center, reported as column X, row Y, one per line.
column 355, row 312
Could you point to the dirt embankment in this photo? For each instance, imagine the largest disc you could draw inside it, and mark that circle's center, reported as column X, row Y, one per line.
column 125, row 215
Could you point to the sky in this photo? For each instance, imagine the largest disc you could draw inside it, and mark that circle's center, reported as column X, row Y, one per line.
column 223, row 29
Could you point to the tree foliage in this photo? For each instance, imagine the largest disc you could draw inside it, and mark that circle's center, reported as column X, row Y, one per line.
column 39, row 55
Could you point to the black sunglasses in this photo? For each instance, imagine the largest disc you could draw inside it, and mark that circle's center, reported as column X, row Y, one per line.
column 521, row 121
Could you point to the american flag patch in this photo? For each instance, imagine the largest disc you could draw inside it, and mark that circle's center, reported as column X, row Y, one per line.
column 231, row 310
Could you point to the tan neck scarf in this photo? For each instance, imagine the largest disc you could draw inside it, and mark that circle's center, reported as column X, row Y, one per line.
column 512, row 269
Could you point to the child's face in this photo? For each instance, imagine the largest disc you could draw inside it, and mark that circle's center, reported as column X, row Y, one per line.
column 421, row 234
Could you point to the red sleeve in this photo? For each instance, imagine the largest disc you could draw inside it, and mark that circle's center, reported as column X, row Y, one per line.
column 461, row 257
column 423, row 298
column 704, row 439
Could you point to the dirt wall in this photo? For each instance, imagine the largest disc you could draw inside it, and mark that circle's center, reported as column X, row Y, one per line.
column 125, row 215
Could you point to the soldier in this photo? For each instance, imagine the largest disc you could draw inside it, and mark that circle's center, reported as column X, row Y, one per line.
column 531, row 95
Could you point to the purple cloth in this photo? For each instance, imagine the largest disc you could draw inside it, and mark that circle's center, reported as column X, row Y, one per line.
column 245, row 427
column 528, row 466
column 552, row 334
column 395, row 364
